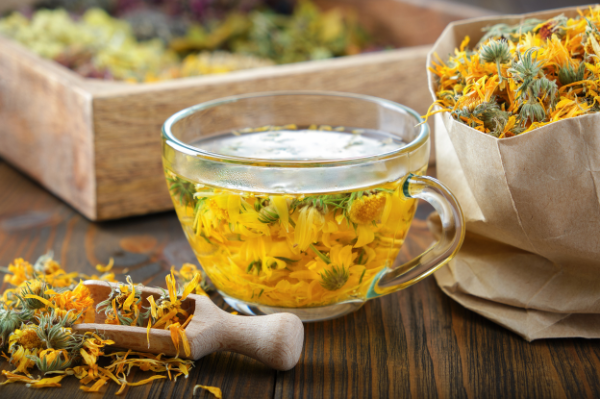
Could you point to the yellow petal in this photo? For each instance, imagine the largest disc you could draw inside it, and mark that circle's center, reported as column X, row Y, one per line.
column 464, row 43
column 104, row 269
column 184, row 340
column 89, row 359
column 187, row 321
column 281, row 207
column 11, row 377
column 47, row 382
column 152, row 306
column 175, row 336
column 114, row 306
column 365, row 236
column 109, row 374
column 123, row 386
column 165, row 318
column 305, row 275
column 148, row 331
column 96, row 387
column 42, row 300
column 170, row 279
column 371, row 254
column 214, row 390
column 189, row 288
column 129, row 301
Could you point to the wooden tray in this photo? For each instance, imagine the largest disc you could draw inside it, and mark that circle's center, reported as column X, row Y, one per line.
column 96, row 144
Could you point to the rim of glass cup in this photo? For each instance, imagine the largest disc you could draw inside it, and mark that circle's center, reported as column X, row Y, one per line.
column 189, row 149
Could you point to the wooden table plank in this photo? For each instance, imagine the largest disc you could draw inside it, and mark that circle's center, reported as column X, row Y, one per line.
column 414, row 343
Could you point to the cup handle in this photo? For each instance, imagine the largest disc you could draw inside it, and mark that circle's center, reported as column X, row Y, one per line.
column 453, row 234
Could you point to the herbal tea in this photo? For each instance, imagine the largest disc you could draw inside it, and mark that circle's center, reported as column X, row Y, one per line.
column 286, row 249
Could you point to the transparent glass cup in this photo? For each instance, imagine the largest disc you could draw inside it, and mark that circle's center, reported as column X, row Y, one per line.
column 301, row 201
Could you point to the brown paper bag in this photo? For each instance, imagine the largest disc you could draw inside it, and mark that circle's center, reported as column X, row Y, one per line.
column 531, row 261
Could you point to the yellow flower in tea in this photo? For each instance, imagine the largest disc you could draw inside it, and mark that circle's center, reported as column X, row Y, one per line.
column 258, row 247
column 336, row 273
column 367, row 209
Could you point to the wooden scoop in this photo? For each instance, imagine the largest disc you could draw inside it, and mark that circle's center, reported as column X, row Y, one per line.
column 275, row 340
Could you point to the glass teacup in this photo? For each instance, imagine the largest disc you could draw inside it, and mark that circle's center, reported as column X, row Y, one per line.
column 301, row 201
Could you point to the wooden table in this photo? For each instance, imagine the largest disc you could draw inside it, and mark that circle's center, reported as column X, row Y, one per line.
column 415, row 343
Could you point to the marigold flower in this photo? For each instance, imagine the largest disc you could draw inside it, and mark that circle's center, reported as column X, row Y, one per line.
column 551, row 63
column 21, row 272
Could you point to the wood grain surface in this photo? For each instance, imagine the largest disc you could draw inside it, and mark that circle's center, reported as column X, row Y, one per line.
column 414, row 343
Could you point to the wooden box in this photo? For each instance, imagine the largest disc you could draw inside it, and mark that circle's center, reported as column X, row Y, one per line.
column 96, row 144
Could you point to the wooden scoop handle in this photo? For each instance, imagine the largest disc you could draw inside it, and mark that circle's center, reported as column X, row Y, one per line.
column 275, row 340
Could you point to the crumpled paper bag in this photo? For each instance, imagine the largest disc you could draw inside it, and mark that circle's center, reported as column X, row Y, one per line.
column 531, row 260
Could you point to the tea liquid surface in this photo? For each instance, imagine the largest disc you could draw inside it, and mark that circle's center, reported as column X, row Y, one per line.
column 303, row 144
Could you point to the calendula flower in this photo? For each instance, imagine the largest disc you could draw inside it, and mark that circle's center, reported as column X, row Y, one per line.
column 496, row 51
column 77, row 301
column 35, row 287
column 339, row 261
column 50, row 271
column 551, row 62
column 48, row 360
column 368, row 208
column 92, row 348
column 26, row 337
column 10, row 320
column 23, row 344
column 55, row 332
column 21, row 271
column 123, row 305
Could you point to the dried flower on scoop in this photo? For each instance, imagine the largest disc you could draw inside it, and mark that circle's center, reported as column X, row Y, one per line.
column 37, row 315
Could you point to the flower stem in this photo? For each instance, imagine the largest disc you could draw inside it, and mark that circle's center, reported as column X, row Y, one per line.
column 320, row 255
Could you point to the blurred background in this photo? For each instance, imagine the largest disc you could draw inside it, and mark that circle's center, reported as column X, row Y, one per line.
column 145, row 41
